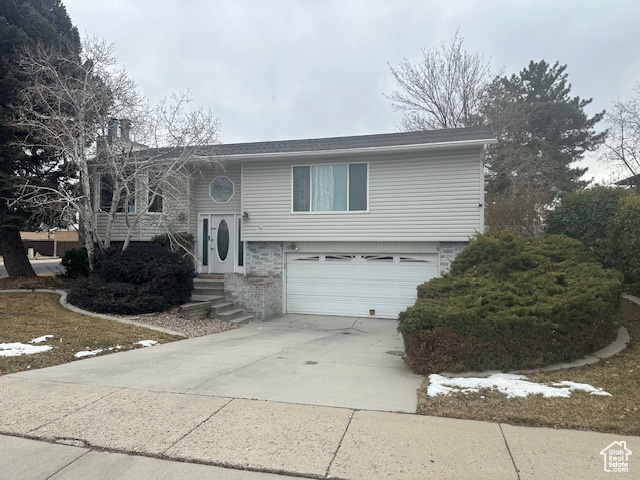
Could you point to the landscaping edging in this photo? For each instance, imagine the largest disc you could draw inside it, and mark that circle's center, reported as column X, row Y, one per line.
column 73, row 308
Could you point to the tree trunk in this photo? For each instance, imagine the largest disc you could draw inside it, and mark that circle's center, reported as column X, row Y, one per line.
column 14, row 254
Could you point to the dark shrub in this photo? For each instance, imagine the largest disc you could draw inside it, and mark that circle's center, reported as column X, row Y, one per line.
column 75, row 263
column 587, row 215
column 512, row 302
column 144, row 278
column 625, row 241
column 181, row 242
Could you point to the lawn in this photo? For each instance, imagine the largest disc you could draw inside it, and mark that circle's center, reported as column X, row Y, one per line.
column 26, row 316
column 618, row 375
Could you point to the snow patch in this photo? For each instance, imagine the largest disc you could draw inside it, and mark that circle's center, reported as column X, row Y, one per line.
column 41, row 339
column 147, row 343
column 88, row 353
column 16, row 349
column 512, row 385
column 91, row 353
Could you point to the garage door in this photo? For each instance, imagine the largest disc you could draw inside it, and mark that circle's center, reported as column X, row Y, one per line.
column 356, row 285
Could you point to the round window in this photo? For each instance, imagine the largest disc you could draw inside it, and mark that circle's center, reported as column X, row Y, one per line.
column 221, row 189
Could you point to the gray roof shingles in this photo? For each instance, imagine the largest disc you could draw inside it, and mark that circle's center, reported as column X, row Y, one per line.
column 341, row 143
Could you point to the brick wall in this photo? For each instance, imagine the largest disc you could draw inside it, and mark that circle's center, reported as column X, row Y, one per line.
column 448, row 252
column 261, row 296
column 264, row 259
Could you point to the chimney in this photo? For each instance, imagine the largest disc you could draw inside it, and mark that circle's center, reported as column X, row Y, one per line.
column 125, row 129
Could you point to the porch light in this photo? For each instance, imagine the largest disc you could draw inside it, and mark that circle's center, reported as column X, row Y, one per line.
column 245, row 216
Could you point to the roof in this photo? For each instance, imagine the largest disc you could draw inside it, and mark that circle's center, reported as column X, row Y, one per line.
column 473, row 135
column 632, row 180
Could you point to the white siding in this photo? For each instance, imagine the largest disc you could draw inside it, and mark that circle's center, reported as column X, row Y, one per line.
column 366, row 247
column 203, row 179
column 435, row 196
column 176, row 210
column 148, row 226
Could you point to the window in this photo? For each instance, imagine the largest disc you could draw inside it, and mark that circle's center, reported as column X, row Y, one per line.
column 155, row 202
column 106, row 196
column 221, row 189
column 330, row 188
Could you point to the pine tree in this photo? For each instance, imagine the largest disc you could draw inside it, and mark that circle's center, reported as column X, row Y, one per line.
column 24, row 23
column 542, row 131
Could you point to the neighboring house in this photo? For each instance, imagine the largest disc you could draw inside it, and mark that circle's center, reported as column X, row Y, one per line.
column 632, row 181
column 335, row 226
column 53, row 243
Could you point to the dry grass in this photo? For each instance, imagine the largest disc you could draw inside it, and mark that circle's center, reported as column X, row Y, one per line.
column 41, row 282
column 618, row 375
column 24, row 316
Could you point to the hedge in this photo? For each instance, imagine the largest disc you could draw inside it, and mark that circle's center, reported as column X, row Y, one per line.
column 512, row 302
column 142, row 279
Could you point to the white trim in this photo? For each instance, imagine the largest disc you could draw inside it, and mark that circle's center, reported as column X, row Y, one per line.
column 236, row 218
column 348, row 151
column 482, row 205
column 233, row 189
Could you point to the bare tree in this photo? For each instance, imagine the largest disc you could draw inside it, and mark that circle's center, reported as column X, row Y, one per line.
column 523, row 211
column 124, row 158
column 621, row 148
column 444, row 90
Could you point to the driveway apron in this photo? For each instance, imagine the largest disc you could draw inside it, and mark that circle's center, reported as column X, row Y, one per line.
column 304, row 359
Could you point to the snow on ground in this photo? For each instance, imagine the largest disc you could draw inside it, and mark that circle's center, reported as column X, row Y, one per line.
column 147, row 343
column 88, row 353
column 512, row 385
column 41, row 339
column 92, row 353
column 16, row 349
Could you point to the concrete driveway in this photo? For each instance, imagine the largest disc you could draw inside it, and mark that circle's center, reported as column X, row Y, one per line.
column 304, row 359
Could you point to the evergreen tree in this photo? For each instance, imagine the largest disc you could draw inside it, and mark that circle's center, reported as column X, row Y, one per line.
column 24, row 23
column 542, row 131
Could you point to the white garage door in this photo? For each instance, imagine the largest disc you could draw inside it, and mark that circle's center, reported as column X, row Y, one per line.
column 356, row 285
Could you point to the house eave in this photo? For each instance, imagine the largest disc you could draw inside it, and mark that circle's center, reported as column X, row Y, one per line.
column 351, row 151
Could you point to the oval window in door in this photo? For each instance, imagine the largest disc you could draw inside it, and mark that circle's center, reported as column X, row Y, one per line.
column 222, row 240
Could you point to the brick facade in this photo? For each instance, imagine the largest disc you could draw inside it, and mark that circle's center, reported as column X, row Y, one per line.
column 261, row 296
column 448, row 252
column 260, row 290
column 264, row 259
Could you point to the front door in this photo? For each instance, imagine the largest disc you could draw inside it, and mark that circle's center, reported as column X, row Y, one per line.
column 217, row 243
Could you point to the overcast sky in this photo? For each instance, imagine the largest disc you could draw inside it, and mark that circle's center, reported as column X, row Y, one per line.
column 286, row 69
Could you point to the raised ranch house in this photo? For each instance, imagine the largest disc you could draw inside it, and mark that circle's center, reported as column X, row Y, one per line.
column 335, row 226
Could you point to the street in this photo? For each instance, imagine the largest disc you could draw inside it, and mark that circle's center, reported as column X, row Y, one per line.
column 41, row 267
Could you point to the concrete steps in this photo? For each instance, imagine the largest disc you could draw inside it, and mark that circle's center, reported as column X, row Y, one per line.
column 208, row 301
column 196, row 310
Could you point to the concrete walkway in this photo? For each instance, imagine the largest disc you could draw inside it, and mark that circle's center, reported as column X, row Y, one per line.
column 301, row 397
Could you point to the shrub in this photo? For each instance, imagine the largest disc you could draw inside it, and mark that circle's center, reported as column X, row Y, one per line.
column 512, row 302
column 144, row 278
column 179, row 242
column 587, row 216
column 75, row 263
column 625, row 240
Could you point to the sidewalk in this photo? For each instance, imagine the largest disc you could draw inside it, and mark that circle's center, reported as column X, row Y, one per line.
column 90, row 430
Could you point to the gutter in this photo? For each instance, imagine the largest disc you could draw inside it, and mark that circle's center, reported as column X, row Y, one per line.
column 351, row 151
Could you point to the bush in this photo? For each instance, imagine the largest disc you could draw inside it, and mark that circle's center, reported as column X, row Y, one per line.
column 181, row 242
column 512, row 302
column 142, row 279
column 75, row 263
column 587, row 216
column 625, row 240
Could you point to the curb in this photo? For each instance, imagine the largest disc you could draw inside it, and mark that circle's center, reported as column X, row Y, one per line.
column 73, row 308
